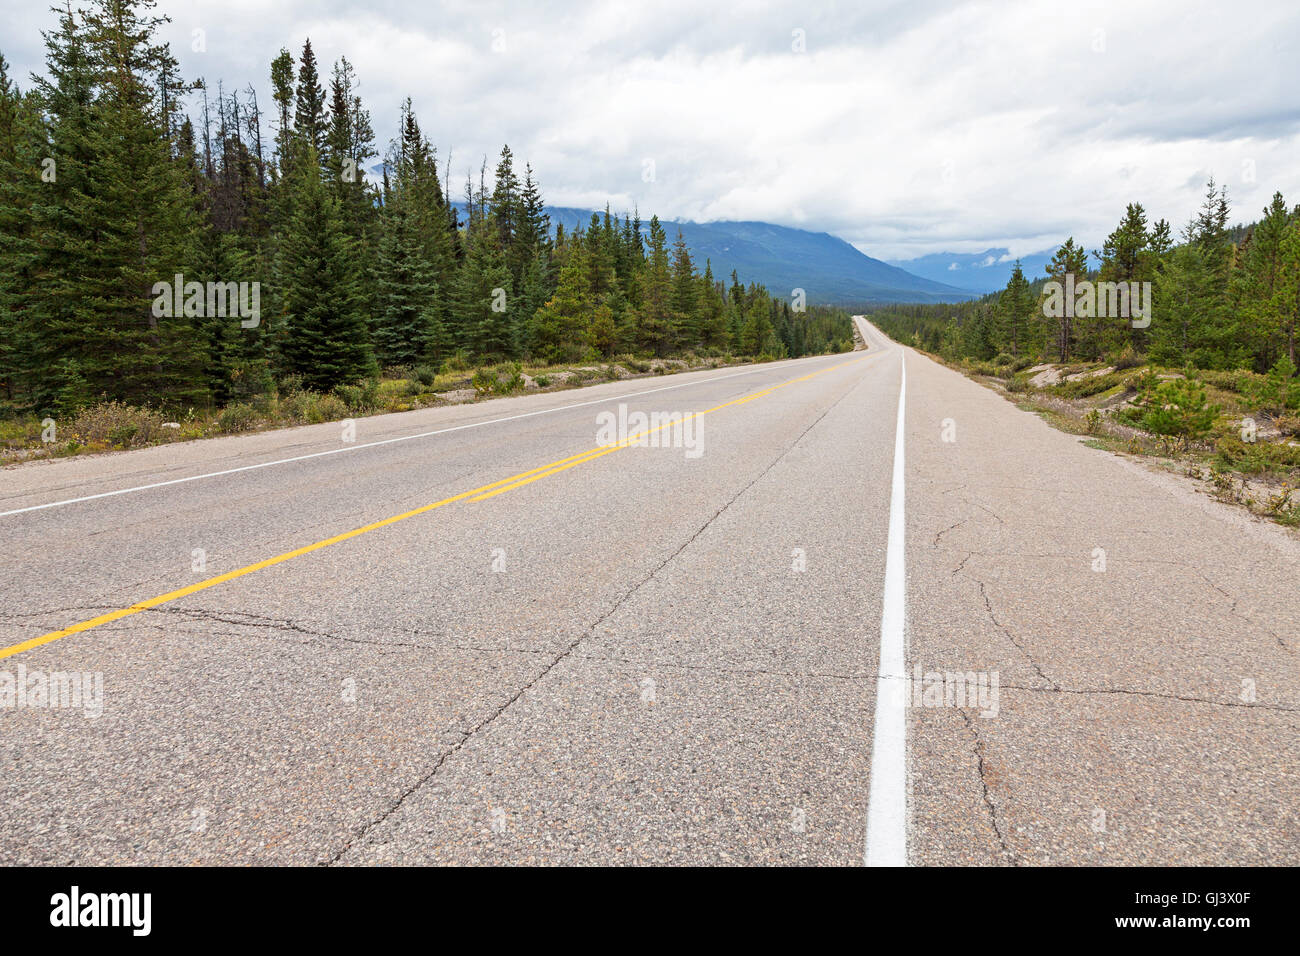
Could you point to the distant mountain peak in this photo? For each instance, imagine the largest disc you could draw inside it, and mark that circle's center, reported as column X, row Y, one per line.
column 784, row 258
column 982, row 272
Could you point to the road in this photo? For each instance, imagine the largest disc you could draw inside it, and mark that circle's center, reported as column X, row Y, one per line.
column 382, row 651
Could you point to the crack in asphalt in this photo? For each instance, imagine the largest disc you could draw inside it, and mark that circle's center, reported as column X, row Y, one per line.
column 950, row 527
column 466, row 736
column 1233, row 610
column 246, row 619
column 988, row 606
column 984, row 785
column 590, row 631
column 713, row 668
column 1191, row 567
column 1130, row 692
column 1126, row 691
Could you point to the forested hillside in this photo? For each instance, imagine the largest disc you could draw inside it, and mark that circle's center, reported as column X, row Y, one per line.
column 179, row 244
column 1222, row 298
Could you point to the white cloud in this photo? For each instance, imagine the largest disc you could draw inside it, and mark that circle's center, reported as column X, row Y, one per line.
column 906, row 128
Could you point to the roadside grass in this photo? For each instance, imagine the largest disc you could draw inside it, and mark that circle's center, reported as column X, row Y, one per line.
column 112, row 426
column 1250, row 456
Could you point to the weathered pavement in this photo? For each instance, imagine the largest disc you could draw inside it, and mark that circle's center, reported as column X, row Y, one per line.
column 647, row 657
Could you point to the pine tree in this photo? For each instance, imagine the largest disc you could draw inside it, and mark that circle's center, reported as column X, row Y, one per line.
column 482, row 295
column 1122, row 255
column 685, row 297
column 1255, row 281
column 654, row 329
column 1015, row 313
column 310, row 121
column 1068, row 260
column 1183, row 295
column 20, row 139
column 51, row 173
column 757, row 336
column 507, row 211
column 349, row 143
column 407, row 319
column 713, row 316
column 117, row 219
column 558, row 331
column 1284, row 304
column 1193, row 324
column 324, row 338
column 282, row 80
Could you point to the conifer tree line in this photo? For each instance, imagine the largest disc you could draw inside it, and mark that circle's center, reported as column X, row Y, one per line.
column 115, row 175
column 1222, row 298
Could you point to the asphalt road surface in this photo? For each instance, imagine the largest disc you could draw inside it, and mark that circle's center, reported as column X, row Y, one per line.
column 501, row 639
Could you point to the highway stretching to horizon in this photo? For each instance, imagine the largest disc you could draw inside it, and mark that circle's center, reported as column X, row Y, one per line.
column 852, row 588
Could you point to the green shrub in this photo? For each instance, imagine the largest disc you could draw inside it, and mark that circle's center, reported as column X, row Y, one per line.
column 1257, row 457
column 350, row 395
column 425, row 375
column 1092, row 421
column 1145, row 381
column 1178, row 409
column 483, row 380
column 297, row 405
column 1278, row 390
column 1002, row 358
column 117, row 424
column 326, row 408
column 1129, row 359
column 291, row 385
column 1088, row 385
column 500, row 379
column 1288, row 425
column 236, row 418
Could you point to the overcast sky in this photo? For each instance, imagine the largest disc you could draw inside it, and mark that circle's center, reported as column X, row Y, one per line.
column 903, row 127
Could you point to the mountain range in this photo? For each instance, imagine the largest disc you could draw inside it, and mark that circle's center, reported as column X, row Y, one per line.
column 981, row 272
column 828, row 269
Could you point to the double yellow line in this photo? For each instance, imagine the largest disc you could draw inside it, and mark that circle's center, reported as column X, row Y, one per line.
column 476, row 494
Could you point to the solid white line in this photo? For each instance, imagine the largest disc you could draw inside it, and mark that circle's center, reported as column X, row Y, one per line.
column 887, row 799
column 387, row 441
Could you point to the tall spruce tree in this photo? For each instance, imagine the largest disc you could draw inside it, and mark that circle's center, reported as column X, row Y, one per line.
column 1015, row 314
column 117, row 218
column 1069, row 259
column 685, row 297
column 310, row 120
column 323, row 338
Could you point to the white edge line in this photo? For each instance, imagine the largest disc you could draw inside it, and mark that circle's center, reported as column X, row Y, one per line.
column 386, row 441
column 887, row 798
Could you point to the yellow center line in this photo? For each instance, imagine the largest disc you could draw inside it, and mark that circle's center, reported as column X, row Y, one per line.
column 475, row 494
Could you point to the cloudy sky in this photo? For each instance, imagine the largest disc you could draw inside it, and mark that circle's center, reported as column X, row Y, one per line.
column 905, row 127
